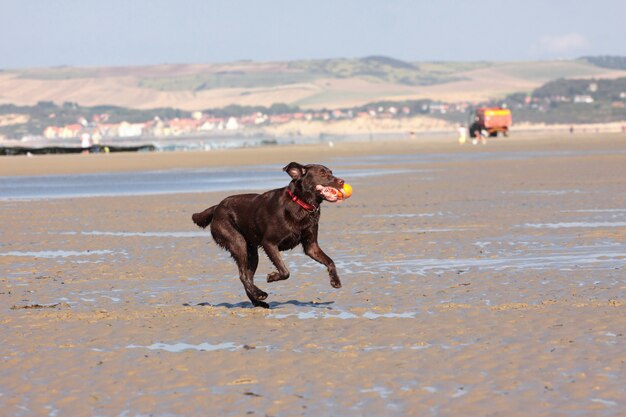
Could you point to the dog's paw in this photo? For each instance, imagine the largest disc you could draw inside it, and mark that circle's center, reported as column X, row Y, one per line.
column 335, row 283
column 261, row 304
column 275, row 276
column 260, row 295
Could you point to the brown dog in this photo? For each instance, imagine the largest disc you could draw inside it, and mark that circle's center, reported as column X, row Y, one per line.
column 276, row 220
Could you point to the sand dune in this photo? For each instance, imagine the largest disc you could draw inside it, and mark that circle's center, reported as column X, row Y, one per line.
column 122, row 86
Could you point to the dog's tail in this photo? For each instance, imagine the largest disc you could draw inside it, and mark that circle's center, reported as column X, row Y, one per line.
column 203, row 219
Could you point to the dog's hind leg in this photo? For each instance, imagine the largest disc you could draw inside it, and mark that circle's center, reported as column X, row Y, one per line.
column 253, row 262
column 246, row 276
column 234, row 242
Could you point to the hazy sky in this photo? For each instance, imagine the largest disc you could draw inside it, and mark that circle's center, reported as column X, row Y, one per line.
column 131, row 32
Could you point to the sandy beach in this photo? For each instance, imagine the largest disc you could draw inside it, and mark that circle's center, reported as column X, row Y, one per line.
column 478, row 280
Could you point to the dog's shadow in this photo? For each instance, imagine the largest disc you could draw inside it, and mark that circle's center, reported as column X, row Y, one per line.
column 273, row 304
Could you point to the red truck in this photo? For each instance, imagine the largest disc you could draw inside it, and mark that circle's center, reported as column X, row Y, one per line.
column 489, row 121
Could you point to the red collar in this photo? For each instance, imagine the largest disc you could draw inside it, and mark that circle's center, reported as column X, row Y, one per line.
column 306, row 206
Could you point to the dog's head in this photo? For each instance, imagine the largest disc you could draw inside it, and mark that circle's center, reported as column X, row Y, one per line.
column 316, row 179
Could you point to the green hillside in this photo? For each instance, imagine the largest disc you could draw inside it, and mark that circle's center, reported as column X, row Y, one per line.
column 373, row 68
column 381, row 68
column 607, row 61
column 377, row 68
column 549, row 70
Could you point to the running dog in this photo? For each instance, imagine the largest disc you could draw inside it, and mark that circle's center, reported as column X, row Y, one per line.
column 276, row 220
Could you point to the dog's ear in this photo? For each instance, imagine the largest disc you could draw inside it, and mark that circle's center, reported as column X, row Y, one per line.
column 295, row 170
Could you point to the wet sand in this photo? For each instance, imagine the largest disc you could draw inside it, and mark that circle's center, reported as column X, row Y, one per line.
column 151, row 161
column 485, row 280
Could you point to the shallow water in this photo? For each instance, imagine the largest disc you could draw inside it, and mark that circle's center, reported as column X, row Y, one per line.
column 533, row 255
column 181, row 347
column 259, row 177
column 51, row 254
column 156, row 182
column 179, row 234
column 578, row 225
column 467, row 157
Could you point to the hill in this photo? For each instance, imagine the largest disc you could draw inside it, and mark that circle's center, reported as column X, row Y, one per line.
column 572, row 101
column 607, row 61
column 308, row 84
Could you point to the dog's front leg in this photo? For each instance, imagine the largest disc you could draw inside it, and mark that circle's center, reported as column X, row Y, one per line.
column 273, row 253
column 313, row 250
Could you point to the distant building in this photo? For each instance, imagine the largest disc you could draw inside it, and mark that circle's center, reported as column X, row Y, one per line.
column 129, row 130
column 71, row 131
column 232, row 124
column 260, row 118
column 52, row 132
column 183, row 126
column 583, row 99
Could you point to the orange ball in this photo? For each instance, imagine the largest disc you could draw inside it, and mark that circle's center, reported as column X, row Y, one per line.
column 346, row 190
